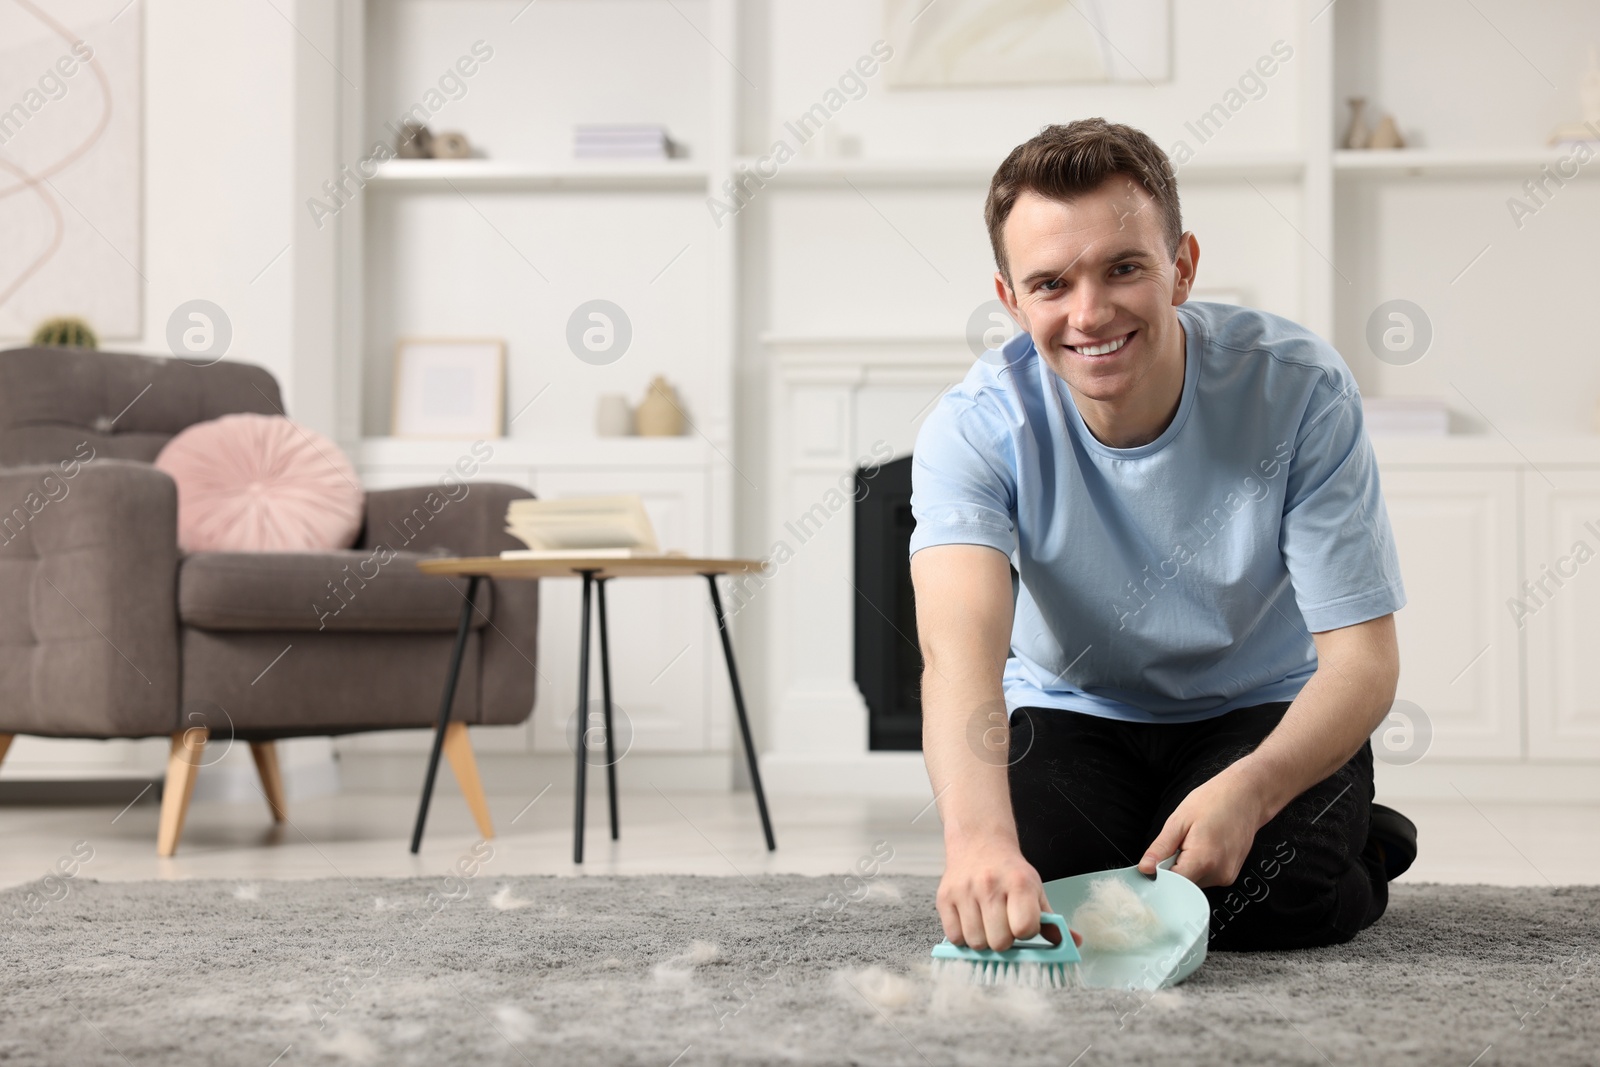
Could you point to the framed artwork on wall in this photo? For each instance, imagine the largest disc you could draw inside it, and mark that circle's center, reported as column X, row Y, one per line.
column 968, row 43
column 88, row 140
column 448, row 387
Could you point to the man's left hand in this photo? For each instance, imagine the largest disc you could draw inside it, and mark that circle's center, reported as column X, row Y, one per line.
column 1214, row 827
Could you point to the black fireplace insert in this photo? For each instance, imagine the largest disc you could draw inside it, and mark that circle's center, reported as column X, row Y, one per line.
column 888, row 660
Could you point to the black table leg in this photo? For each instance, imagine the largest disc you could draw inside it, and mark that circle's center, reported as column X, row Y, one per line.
column 583, row 720
column 605, row 689
column 738, row 706
column 444, row 711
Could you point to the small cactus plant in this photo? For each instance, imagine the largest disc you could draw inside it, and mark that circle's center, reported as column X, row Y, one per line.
column 66, row 331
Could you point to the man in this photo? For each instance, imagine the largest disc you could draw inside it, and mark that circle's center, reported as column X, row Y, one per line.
column 1200, row 637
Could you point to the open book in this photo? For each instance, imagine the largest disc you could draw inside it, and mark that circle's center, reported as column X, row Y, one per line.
column 612, row 527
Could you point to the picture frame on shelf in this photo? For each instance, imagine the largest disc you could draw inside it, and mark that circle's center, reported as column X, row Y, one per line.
column 448, row 387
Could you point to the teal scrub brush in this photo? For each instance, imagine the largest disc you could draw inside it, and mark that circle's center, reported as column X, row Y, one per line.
column 1048, row 961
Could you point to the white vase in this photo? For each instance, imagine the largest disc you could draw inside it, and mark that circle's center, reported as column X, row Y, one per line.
column 1357, row 133
column 613, row 417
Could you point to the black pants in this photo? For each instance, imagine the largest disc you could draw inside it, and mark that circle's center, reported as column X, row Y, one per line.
column 1091, row 793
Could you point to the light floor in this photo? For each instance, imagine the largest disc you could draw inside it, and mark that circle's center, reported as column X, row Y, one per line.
column 365, row 835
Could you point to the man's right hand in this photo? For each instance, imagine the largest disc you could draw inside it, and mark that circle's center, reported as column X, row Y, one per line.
column 990, row 896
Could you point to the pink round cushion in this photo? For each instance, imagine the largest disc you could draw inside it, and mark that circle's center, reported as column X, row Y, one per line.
column 260, row 483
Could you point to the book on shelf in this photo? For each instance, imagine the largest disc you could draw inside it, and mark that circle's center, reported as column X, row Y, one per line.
column 622, row 142
column 605, row 526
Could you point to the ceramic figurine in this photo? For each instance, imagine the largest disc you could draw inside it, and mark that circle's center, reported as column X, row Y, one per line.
column 415, row 143
column 1386, row 135
column 451, row 145
column 660, row 414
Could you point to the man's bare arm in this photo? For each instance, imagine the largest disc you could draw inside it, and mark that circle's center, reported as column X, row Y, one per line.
column 1358, row 670
column 989, row 895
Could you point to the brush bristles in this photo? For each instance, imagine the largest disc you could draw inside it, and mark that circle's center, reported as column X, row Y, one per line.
column 1004, row 973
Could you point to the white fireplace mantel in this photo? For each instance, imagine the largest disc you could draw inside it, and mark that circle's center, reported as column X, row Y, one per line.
column 838, row 403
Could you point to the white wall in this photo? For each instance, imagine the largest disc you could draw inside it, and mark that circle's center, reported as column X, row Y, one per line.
column 240, row 109
column 812, row 41
column 219, row 144
column 241, row 126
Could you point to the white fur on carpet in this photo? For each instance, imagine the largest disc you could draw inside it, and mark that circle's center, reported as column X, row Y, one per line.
column 610, row 970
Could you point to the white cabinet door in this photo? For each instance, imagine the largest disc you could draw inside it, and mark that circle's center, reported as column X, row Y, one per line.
column 1559, row 610
column 1456, row 532
column 662, row 634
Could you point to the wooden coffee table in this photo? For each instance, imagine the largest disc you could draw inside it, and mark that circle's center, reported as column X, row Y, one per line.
column 595, row 571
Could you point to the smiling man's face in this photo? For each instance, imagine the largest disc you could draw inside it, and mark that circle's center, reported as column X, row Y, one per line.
column 1094, row 285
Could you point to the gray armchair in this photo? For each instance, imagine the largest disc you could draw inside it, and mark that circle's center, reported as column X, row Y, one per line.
column 110, row 631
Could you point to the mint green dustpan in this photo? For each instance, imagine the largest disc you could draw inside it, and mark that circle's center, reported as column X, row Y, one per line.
column 1168, row 960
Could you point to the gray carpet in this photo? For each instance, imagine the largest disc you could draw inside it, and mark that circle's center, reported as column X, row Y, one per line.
column 684, row 971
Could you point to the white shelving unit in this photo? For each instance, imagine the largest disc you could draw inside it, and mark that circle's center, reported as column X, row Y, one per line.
column 469, row 226
column 1320, row 176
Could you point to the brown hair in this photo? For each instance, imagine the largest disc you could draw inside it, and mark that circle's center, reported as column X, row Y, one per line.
column 1064, row 162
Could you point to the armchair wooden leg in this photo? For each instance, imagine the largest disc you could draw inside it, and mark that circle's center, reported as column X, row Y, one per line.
column 458, row 749
column 182, row 766
column 265, row 754
column 5, row 744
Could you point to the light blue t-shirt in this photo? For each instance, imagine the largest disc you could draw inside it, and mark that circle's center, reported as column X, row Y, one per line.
column 1183, row 578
